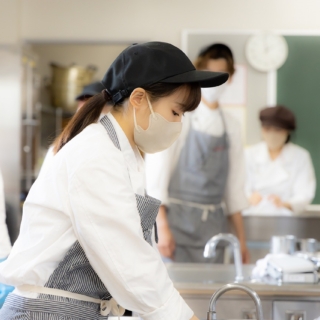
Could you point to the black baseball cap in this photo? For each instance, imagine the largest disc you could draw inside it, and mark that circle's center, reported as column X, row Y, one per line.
column 90, row 90
column 152, row 62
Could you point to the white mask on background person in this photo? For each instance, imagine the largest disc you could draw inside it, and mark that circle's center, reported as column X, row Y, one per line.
column 160, row 134
column 275, row 140
column 213, row 94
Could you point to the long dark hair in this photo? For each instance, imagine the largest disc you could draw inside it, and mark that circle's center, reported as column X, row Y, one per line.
column 89, row 113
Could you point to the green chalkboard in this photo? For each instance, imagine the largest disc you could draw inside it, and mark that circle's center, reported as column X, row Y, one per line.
column 298, row 88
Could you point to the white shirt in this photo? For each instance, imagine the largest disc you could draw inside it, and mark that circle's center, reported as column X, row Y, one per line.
column 47, row 160
column 160, row 166
column 87, row 194
column 5, row 244
column 290, row 176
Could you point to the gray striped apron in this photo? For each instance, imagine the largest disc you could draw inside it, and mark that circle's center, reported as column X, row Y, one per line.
column 75, row 274
column 196, row 192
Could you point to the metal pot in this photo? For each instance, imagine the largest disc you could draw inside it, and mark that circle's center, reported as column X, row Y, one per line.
column 283, row 244
column 308, row 245
column 67, row 83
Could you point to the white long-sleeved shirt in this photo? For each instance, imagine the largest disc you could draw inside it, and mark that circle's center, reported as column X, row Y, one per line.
column 290, row 176
column 47, row 159
column 5, row 244
column 160, row 166
column 87, row 194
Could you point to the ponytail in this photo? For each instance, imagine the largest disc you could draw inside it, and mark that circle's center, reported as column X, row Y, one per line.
column 91, row 110
column 86, row 115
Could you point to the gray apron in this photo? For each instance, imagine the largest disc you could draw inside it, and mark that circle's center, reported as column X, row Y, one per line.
column 75, row 274
column 196, row 192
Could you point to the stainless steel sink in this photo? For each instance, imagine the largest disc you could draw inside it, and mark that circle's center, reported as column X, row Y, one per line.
column 205, row 273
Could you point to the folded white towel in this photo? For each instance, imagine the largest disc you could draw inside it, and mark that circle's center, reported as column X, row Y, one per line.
column 288, row 263
column 260, row 270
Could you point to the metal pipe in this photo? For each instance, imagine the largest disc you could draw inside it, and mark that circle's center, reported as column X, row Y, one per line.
column 212, row 315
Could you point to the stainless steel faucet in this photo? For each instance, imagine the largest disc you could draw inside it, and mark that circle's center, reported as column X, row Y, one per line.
column 212, row 315
column 210, row 250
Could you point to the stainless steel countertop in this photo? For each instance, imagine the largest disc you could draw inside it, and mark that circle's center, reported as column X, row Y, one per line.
column 206, row 279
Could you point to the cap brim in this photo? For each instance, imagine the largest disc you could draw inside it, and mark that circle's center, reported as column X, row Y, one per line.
column 206, row 79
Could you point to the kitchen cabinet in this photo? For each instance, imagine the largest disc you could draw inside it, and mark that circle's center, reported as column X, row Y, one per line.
column 296, row 310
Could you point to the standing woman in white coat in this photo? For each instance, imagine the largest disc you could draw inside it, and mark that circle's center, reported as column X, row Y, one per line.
column 86, row 244
column 201, row 173
column 280, row 174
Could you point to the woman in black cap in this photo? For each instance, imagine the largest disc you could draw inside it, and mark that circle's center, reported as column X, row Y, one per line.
column 86, row 244
column 280, row 174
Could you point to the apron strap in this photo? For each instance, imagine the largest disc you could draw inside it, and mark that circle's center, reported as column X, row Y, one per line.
column 106, row 306
column 105, row 121
column 156, row 236
column 206, row 208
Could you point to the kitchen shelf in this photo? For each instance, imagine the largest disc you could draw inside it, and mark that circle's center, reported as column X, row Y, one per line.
column 56, row 111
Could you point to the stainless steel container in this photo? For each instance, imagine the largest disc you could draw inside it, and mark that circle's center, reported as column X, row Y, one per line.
column 283, row 244
column 308, row 245
column 291, row 244
column 67, row 83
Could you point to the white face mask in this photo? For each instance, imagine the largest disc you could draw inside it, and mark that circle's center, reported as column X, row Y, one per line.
column 160, row 134
column 213, row 94
column 275, row 140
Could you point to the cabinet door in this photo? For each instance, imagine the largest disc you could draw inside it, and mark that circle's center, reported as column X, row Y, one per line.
column 295, row 310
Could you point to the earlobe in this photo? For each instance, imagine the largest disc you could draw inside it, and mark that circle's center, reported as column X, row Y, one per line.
column 137, row 98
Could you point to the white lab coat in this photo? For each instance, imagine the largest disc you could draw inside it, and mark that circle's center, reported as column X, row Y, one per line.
column 87, row 194
column 160, row 166
column 5, row 244
column 290, row 176
column 47, row 159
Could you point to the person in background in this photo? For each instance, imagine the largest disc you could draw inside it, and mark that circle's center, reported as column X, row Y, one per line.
column 280, row 174
column 88, row 92
column 5, row 244
column 200, row 173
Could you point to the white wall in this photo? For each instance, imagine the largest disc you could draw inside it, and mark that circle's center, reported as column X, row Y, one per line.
column 9, row 22
column 131, row 20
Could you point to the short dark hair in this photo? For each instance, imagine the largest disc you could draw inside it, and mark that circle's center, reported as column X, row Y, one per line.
column 215, row 51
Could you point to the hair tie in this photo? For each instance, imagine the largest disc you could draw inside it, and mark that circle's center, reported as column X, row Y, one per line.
column 106, row 95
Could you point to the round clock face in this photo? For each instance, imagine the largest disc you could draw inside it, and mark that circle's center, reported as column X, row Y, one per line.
column 266, row 51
